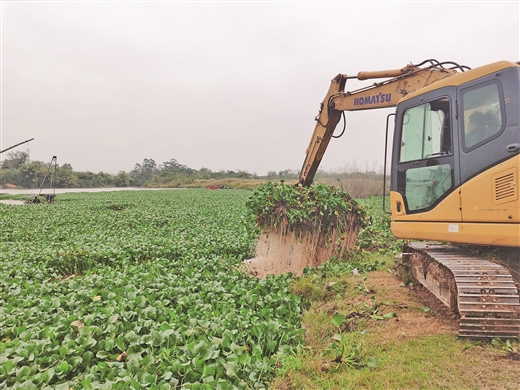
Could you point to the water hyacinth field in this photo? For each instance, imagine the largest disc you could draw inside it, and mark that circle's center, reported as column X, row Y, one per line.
column 130, row 290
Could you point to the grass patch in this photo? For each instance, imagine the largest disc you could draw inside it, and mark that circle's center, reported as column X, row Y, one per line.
column 388, row 338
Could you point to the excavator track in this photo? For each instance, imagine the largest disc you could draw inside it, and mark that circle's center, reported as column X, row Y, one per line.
column 483, row 293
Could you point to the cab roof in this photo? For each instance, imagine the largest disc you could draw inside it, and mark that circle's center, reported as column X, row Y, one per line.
column 464, row 77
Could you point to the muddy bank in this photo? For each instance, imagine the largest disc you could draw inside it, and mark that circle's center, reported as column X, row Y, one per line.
column 283, row 252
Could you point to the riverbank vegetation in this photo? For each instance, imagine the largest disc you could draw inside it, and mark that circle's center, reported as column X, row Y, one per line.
column 18, row 171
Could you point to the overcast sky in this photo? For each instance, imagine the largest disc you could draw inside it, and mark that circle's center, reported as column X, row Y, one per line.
column 220, row 85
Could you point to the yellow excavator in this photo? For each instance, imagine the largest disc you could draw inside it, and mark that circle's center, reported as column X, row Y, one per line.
column 454, row 179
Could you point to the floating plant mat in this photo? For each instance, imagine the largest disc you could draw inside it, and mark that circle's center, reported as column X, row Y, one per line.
column 302, row 226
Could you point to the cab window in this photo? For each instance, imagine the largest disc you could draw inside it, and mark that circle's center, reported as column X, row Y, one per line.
column 425, row 173
column 426, row 131
column 482, row 114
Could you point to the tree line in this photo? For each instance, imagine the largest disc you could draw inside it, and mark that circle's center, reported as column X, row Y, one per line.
column 17, row 170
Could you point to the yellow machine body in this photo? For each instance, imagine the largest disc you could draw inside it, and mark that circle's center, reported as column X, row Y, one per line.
column 483, row 211
column 454, row 179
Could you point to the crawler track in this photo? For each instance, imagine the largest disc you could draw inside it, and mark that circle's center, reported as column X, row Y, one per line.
column 481, row 292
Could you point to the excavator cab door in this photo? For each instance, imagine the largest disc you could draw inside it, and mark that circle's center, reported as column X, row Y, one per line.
column 424, row 170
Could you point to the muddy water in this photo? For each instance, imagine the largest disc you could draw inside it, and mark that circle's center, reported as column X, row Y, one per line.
column 12, row 202
column 36, row 191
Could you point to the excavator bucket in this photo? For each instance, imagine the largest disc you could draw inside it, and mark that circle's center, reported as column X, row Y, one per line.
column 301, row 227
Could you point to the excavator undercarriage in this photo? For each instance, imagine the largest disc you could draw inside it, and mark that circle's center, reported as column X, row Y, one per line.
column 481, row 292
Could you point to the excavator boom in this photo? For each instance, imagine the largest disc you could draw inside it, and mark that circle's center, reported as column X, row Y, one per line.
column 384, row 94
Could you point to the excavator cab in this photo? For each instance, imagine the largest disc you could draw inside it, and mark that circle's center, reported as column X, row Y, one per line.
column 456, row 159
column 455, row 166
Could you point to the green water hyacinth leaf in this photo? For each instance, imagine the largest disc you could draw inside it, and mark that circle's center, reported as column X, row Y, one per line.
column 231, row 368
column 157, row 280
column 244, row 358
column 102, row 354
column 109, row 345
column 62, row 386
column 23, row 372
column 304, row 208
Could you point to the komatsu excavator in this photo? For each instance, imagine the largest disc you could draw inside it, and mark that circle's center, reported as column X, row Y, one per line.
column 454, row 179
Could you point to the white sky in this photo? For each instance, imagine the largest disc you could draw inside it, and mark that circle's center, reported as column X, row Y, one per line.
column 221, row 85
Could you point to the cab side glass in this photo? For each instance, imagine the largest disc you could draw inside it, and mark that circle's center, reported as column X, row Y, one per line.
column 425, row 138
column 427, row 184
column 425, row 131
column 482, row 114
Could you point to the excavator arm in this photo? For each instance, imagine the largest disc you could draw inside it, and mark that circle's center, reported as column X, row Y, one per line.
column 398, row 83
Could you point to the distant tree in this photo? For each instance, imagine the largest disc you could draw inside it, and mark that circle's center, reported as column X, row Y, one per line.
column 173, row 166
column 66, row 177
column 205, row 173
column 244, row 174
column 143, row 173
column 122, row 179
column 32, row 174
column 105, row 179
column 10, row 176
column 87, row 180
column 220, row 174
column 149, row 165
column 15, row 160
column 271, row 174
column 17, row 169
